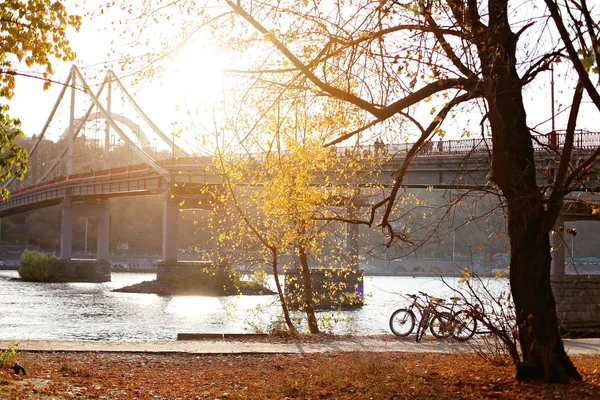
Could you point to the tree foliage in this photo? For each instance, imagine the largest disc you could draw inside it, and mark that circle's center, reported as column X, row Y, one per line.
column 13, row 157
column 33, row 33
column 285, row 202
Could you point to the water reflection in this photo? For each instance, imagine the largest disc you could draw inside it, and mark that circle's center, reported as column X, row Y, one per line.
column 194, row 305
column 90, row 311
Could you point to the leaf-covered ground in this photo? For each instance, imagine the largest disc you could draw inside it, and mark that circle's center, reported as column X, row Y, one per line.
column 306, row 376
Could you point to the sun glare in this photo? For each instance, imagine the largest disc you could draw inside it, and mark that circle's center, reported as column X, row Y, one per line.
column 187, row 93
column 193, row 306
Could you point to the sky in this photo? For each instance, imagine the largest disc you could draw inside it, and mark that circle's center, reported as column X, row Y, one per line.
column 192, row 81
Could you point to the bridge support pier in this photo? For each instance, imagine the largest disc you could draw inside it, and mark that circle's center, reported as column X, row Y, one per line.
column 83, row 270
column 66, row 229
column 577, row 303
column 576, row 295
column 169, row 267
column 332, row 288
column 170, row 232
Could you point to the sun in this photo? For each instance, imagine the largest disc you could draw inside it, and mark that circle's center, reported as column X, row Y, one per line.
column 189, row 90
column 196, row 72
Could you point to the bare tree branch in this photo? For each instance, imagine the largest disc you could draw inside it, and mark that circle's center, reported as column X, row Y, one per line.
column 564, row 34
column 445, row 45
column 541, row 65
column 560, row 183
column 341, row 94
column 388, row 202
column 591, row 26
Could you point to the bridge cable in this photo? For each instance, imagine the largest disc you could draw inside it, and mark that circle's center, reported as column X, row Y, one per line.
column 159, row 132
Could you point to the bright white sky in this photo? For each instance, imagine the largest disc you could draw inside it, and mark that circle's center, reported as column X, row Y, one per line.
column 193, row 82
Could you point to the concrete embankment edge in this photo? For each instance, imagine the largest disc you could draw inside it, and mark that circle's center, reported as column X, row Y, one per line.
column 573, row 346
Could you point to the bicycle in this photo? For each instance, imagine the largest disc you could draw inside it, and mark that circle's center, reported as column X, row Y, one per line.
column 464, row 325
column 438, row 321
column 402, row 321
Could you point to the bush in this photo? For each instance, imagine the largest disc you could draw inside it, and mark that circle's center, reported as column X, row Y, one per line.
column 495, row 314
column 7, row 357
column 36, row 266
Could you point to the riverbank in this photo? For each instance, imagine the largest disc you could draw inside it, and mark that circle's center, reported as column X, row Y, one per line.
column 352, row 375
column 203, row 344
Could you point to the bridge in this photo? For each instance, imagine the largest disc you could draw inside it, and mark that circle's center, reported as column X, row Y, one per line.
column 90, row 167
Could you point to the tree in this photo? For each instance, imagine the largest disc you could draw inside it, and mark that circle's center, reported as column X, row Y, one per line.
column 286, row 200
column 13, row 160
column 34, row 33
column 389, row 59
column 41, row 226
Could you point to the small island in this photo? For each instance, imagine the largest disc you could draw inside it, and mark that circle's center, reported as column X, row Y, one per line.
column 185, row 287
column 198, row 279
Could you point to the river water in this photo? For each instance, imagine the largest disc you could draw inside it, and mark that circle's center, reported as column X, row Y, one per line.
column 92, row 311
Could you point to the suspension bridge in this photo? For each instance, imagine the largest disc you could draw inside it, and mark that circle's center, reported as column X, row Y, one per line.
column 111, row 148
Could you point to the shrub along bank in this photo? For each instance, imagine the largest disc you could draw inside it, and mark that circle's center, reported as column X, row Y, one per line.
column 36, row 266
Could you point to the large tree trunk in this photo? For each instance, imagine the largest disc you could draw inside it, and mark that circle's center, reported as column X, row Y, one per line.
column 309, row 304
column 529, row 224
column 543, row 352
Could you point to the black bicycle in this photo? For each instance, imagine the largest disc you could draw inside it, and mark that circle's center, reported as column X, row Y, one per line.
column 403, row 320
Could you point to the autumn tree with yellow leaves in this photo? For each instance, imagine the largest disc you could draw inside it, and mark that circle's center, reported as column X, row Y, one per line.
column 289, row 198
column 34, row 33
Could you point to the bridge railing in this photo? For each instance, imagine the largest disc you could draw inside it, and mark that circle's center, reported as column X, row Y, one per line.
column 460, row 146
column 587, row 140
column 584, row 140
column 85, row 176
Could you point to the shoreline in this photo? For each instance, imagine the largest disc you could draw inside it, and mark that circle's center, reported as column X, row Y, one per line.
column 260, row 344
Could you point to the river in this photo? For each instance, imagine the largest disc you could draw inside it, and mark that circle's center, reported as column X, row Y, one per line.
column 92, row 311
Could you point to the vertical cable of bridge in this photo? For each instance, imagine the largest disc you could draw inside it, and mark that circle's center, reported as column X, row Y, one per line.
column 71, row 137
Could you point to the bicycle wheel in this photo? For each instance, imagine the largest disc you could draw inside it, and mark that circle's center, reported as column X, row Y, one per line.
column 441, row 325
column 464, row 324
column 402, row 322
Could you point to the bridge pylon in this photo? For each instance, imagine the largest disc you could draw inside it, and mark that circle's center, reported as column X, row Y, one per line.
column 76, row 151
